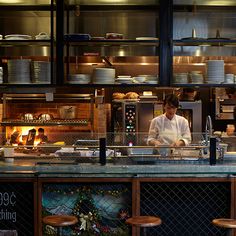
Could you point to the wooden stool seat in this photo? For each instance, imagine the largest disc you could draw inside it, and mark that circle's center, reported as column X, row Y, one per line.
column 225, row 223
column 60, row 221
column 144, row 221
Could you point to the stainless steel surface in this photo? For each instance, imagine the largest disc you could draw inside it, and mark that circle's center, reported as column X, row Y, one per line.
column 131, row 24
column 205, row 2
column 25, row 2
column 206, row 23
column 114, row 2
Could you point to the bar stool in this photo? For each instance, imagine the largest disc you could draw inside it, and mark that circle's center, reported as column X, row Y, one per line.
column 225, row 223
column 60, row 221
column 144, row 222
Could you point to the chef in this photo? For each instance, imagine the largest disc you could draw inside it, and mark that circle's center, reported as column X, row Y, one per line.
column 169, row 128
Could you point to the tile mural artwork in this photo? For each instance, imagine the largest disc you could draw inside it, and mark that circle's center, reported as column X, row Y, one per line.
column 101, row 208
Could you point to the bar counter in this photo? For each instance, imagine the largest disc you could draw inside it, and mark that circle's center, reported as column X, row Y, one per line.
column 70, row 168
column 187, row 196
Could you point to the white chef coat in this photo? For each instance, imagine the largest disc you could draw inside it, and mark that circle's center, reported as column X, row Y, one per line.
column 169, row 131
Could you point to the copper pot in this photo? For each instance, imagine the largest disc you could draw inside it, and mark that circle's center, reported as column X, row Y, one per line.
column 27, row 116
column 67, row 112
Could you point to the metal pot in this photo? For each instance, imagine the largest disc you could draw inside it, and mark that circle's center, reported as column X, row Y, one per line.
column 67, row 112
column 27, row 116
column 45, row 117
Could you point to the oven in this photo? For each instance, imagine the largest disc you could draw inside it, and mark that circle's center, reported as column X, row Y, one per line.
column 131, row 119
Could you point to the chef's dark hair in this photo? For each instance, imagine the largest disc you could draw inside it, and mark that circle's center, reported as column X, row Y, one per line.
column 171, row 99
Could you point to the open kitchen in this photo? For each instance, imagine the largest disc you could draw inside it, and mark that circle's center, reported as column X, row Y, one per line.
column 113, row 111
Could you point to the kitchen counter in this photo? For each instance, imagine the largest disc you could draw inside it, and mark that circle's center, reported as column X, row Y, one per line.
column 60, row 168
column 164, row 185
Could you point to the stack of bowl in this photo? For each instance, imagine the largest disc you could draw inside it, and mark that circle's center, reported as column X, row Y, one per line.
column 104, row 76
column 150, row 79
column 196, row 77
column 124, row 79
column 181, row 78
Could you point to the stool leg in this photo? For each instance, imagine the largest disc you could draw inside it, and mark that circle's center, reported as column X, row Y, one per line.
column 59, row 231
column 229, row 232
column 144, row 231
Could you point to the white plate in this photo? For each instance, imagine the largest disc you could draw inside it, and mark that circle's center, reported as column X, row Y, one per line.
column 78, row 82
column 146, row 38
column 190, row 158
column 18, row 37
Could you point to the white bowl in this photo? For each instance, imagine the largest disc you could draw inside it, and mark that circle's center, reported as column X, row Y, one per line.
column 140, row 79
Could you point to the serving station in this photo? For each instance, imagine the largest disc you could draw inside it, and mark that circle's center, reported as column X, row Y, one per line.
column 105, row 185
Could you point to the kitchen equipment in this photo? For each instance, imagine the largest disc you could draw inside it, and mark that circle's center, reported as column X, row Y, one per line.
column 194, row 36
column 27, row 116
column 77, row 37
column 114, row 36
column 67, row 112
column 104, row 76
column 131, row 119
column 218, row 36
column 45, row 117
column 42, row 36
column 31, row 137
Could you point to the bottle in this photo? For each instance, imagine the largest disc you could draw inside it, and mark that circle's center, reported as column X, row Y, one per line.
column 212, row 150
column 102, row 151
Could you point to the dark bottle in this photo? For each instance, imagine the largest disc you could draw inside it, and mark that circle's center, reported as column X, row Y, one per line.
column 102, row 151
column 212, row 151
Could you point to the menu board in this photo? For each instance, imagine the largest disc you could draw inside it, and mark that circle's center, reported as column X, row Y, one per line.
column 17, row 208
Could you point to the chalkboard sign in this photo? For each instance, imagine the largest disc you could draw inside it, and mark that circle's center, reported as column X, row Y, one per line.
column 17, row 207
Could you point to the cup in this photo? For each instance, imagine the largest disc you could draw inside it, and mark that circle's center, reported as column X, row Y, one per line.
column 230, row 129
column 229, row 78
column 8, row 152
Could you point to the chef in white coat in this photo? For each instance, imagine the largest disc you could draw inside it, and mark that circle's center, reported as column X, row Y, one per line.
column 169, row 128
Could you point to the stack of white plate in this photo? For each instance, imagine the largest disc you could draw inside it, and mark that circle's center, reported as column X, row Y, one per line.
column 150, row 79
column 41, row 72
column 124, row 79
column 215, row 71
column 79, row 79
column 104, row 76
column 18, row 71
column 181, row 78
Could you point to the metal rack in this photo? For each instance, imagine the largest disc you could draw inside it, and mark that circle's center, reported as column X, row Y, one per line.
column 87, row 98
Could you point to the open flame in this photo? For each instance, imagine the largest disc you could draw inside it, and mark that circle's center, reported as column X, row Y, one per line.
column 23, row 133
